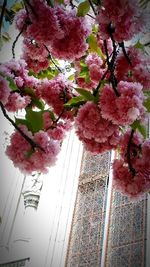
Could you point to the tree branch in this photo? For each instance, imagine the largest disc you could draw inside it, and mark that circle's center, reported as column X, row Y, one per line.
column 93, row 8
column 15, row 41
column 31, row 7
column 28, row 139
column 125, row 53
column 2, row 14
column 59, row 69
column 111, row 65
column 100, row 82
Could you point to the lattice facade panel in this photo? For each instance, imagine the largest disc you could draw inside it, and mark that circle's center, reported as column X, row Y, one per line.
column 86, row 236
column 127, row 232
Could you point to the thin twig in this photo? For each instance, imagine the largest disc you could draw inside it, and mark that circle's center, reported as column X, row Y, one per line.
column 31, row 7
column 2, row 14
column 28, row 139
column 60, row 115
column 50, row 3
column 59, row 69
column 111, row 65
column 100, row 82
column 93, row 8
column 15, row 41
column 74, row 6
column 125, row 53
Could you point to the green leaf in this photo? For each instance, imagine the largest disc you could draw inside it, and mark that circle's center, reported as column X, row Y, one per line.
column 29, row 153
column 83, row 64
column 22, row 122
column 12, row 84
column 147, row 92
column 51, row 114
column 36, row 101
column 75, row 101
column 34, row 120
column 147, row 104
column 71, row 77
column 93, row 46
column 83, row 9
column 141, row 128
column 87, row 94
column 144, row 3
column 84, row 72
column 6, row 37
column 138, row 45
column 16, row 7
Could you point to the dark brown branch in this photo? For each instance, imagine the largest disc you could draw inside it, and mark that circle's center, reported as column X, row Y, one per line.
column 2, row 14
column 16, row 40
column 31, row 8
column 131, row 169
column 125, row 53
column 28, row 139
column 59, row 69
column 93, row 8
column 100, row 82
column 111, row 65
column 60, row 115
column 74, row 6
column 50, row 3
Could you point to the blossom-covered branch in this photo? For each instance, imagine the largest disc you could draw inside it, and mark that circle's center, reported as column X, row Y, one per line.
column 105, row 95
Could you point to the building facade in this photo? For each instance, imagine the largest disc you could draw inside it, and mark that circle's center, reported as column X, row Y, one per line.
column 71, row 217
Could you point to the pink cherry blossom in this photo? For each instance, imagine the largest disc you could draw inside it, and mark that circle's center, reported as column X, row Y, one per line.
column 16, row 102
column 96, row 133
column 125, row 16
column 56, row 93
column 96, row 68
column 45, row 27
column 4, row 90
column 47, row 120
column 125, row 108
column 59, row 131
column 72, row 44
column 14, row 68
column 124, row 182
column 137, row 70
column 21, row 21
column 28, row 161
column 35, row 55
column 135, row 145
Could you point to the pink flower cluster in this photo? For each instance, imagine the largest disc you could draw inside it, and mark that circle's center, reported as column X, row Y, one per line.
column 12, row 99
column 125, row 17
column 96, row 69
column 97, row 134
column 56, row 92
column 58, row 132
column 35, row 55
column 16, row 102
column 55, row 130
column 133, row 185
column 28, row 161
column 138, row 68
column 4, row 90
column 125, row 108
column 60, row 29
column 75, row 31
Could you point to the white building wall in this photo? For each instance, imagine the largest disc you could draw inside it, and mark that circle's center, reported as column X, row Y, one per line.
column 40, row 234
